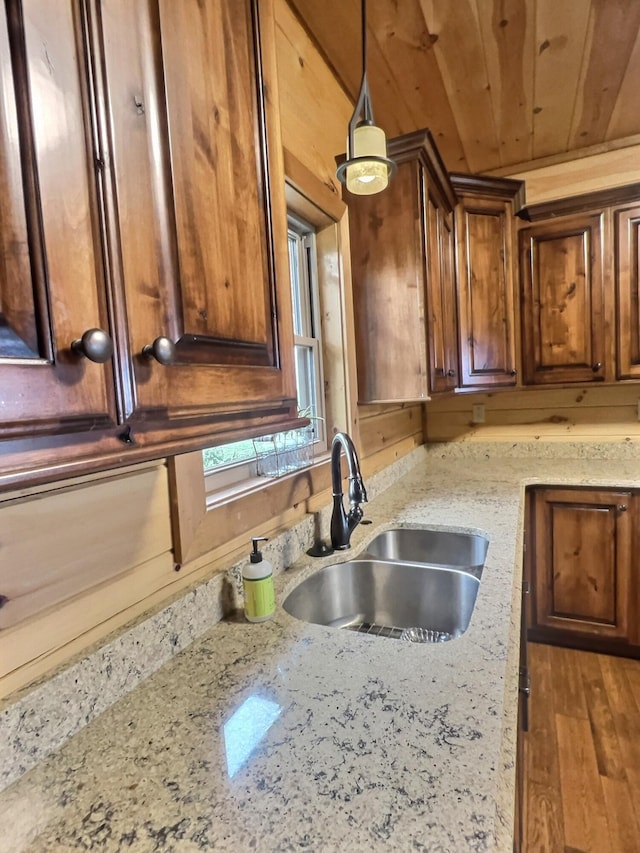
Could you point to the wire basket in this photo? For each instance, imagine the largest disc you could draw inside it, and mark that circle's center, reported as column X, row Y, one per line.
column 284, row 452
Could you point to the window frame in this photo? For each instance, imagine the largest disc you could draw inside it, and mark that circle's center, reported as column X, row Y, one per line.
column 312, row 338
column 243, row 476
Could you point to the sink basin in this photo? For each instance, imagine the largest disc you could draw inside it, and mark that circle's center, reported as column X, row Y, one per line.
column 408, row 578
column 435, row 547
column 383, row 597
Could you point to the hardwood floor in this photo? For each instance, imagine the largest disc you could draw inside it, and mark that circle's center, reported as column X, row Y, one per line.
column 582, row 764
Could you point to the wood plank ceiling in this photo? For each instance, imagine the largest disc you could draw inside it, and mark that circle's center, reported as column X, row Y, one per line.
column 498, row 82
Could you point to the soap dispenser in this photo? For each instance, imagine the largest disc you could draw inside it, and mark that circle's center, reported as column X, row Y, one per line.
column 257, row 583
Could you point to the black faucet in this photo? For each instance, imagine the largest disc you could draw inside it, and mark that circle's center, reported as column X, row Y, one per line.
column 342, row 525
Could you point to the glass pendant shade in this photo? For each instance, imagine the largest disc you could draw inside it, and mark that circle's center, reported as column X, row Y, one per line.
column 366, row 169
column 368, row 176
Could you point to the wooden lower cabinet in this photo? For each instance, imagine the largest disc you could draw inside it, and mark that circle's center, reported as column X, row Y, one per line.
column 580, row 590
column 584, row 585
column 520, row 817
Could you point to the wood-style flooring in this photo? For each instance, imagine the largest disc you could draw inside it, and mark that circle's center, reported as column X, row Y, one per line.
column 582, row 760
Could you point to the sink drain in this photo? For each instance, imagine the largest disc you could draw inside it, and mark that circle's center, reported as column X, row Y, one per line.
column 377, row 630
column 410, row 635
column 424, row 635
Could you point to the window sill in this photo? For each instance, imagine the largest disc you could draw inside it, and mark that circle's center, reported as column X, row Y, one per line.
column 207, row 525
column 222, row 497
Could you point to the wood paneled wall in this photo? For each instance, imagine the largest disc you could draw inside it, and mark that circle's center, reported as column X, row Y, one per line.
column 560, row 179
column 314, row 110
column 561, row 414
column 79, row 559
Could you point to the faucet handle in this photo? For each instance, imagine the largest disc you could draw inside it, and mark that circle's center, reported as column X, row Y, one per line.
column 357, row 491
column 354, row 517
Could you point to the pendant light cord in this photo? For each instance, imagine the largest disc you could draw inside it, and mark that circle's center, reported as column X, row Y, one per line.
column 367, row 110
column 363, row 18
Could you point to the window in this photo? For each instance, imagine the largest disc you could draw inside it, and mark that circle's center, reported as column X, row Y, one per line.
column 306, row 325
column 233, row 463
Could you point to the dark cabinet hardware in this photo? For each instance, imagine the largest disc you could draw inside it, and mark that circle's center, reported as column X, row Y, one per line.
column 451, row 372
column 126, row 436
column 524, row 688
column 622, row 508
column 162, row 349
column 597, row 366
column 95, row 344
column 525, row 684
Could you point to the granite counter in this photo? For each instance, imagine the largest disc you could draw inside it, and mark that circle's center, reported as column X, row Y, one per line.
column 286, row 736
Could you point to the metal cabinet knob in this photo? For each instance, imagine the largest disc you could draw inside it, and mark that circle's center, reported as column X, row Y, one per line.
column 513, row 372
column 95, row 344
column 451, row 372
column 622, row 508
column 162, row 349
column 597, row 366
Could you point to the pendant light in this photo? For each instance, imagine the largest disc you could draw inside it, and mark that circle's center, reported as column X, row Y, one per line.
column 367, row 169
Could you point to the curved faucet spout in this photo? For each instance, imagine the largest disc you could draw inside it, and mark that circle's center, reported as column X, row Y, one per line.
column 342, row 525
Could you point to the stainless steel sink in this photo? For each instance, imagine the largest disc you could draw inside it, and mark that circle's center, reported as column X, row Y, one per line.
column 448, row 548
column 406, row 579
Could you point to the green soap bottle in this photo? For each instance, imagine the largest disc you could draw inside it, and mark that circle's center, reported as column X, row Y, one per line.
column 257, row 583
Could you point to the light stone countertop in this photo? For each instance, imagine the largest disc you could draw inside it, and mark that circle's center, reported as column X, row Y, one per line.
column 284, row 736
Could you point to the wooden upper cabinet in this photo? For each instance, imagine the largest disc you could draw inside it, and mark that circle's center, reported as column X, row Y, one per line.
column 143, row 195
column 402, row 275
column 51, row 274
column 583, row 564
column 563, row 305
column 485, row 236
column 442, row 321
column 198, row 182
column 627, row 237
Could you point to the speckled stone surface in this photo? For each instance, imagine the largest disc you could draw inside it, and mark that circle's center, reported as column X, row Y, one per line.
column 44, row 716
column 286, row 736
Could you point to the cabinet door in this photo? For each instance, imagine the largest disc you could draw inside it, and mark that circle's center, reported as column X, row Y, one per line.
column 388, row 272
column 627, row 224
column 563, row 327
column 51, row 274
column 198, row 185
column 486, row 313
column 583, row 562
column 441, row 296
